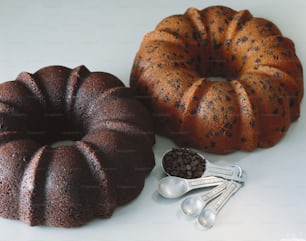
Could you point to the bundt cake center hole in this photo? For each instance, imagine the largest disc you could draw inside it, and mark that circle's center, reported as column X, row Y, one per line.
column 56, row 129
column 62, row 143
column 218, row 78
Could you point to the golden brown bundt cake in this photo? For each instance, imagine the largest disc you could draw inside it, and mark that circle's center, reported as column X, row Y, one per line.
column 68, row 185
column 253, row 108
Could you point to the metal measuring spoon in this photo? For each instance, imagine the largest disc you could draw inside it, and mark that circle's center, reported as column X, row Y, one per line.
column 208, row 215
column 192, row 206
column 186, row 163
column 174, row 187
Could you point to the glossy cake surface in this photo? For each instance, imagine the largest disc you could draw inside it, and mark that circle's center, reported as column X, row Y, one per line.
column 253, row 108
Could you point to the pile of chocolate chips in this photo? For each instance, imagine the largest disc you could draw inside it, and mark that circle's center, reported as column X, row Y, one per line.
column 183, row 163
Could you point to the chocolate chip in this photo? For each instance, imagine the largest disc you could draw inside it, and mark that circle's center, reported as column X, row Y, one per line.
column 244, row 39
column 205, row 42
column 275, row 111
column 166, row 99
column 193, row 112
column 212, row 144
column 228, row 42
column 243, row 139
column 228, row 98
column 215, row 118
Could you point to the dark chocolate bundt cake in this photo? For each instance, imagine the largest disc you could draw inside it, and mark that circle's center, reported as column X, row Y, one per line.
column 69, row 185
column 254, row 108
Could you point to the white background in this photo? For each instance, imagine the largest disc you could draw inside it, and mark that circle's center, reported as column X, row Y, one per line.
column 104, row 36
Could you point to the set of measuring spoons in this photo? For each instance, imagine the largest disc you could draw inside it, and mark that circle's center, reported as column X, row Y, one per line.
column 225, row 180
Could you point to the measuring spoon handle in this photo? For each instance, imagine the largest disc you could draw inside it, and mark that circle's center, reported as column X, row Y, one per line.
column 208, row 214
column 204, row 182
column 226, row 172
column 230, row 189
column 214, row 192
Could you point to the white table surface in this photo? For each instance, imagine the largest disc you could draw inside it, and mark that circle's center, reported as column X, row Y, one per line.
column 104, row 36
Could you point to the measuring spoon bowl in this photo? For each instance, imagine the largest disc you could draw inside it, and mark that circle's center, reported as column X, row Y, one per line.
column 207, row 217
column 192, row 206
